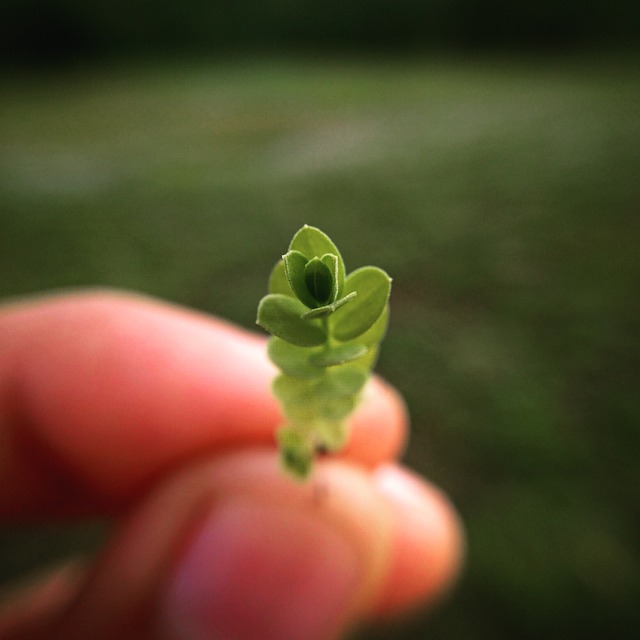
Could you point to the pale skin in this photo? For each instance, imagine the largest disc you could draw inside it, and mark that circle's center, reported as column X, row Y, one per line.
column 162, row 420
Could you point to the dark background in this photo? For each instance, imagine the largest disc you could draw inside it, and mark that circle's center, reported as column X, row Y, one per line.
column 46, row 29
column 486, row 154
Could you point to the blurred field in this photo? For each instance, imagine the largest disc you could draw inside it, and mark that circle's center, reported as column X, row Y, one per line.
column 502, row 195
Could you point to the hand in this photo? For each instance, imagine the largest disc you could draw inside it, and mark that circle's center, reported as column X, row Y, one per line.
column 162, row 420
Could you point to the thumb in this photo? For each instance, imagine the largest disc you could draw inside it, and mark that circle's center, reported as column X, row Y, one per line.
column 233, row 549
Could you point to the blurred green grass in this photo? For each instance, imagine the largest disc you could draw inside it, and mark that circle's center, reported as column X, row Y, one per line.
column 503, row 196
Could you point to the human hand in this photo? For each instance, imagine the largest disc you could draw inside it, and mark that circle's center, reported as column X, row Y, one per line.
column 162, row 420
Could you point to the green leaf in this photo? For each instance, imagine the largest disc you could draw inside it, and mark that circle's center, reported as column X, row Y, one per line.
column 374, row 334
column 372, row 338
column 343, row 381
column 300, row 413
column 373, row 287
column 280, row 316
column 328, row 308
column 338, row 355
column 319, row 282
column 293, row 360
column 294, row 390
column 313, row 243
column 337, row 408
column 332, row 434
column 296, row 452
column 331, row 261
column 278, row 282
column 326, row 330
column 369, row 359
column 294, row 267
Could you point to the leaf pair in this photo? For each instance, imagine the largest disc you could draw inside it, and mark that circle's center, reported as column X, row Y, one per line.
column 316, row 282
column 307, row 287
column 326, row 327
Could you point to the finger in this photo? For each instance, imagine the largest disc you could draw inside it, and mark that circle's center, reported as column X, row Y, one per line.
column 378, row 427
column 428, row 543
column 102, row 393
column 231, row 548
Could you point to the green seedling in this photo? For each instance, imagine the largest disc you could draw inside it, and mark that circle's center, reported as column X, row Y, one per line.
column 326, row 329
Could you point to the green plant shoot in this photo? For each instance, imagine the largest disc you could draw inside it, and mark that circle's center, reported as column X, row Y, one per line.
column 326, row 328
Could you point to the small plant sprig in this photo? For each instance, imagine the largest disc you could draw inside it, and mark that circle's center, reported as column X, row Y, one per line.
column 326, row 330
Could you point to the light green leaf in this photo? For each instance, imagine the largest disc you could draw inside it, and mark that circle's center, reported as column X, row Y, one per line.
column 300, row 413
column 369, row 359
column 343, row 381
column 373, row 286
column 374, row 335
column 293, row 360
column 328, row 308
column 294, row 390
column 372, row 338
column 278, row 280
column 280, row 316
column 332, row 434
column 338, row 355
column 312, row 243
column 326, row 330
column 294, row 267
column 296, row 452
column 337, row 408
column 331, row 261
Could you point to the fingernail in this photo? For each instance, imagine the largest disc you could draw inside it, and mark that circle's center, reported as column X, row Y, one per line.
column 259, row 571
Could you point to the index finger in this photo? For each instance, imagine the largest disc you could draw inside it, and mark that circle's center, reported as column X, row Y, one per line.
column 102, row 393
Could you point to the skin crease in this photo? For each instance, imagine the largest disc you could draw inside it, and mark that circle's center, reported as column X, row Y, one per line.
column 89, row 380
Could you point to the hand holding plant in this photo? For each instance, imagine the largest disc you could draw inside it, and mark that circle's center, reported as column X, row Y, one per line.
column 326, row 329
column 195, row 497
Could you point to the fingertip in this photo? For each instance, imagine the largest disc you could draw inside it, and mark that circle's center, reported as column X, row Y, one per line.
column 429, row 542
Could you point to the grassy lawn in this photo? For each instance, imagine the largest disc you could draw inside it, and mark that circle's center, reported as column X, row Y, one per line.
column 503, row 196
